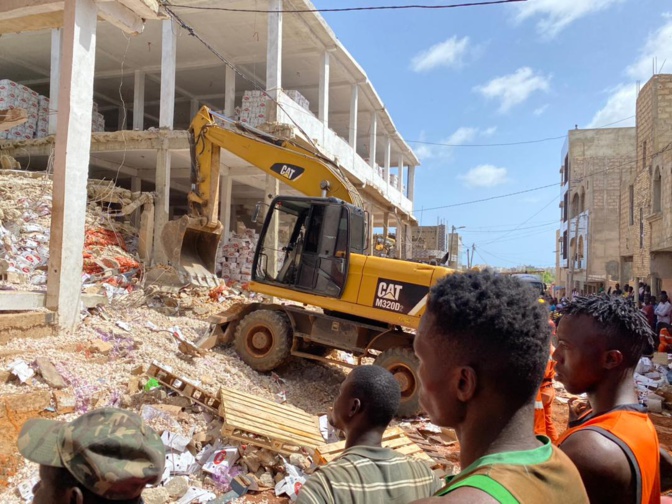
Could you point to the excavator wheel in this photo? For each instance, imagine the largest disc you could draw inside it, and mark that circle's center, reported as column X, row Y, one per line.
column 403, row 364
column 263, row 339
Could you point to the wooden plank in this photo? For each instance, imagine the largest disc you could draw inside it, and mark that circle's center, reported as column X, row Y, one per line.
column 291, row 436
column 266, row 418
column 245, row 402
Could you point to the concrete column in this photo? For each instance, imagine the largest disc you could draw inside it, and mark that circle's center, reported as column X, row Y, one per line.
column 139, row 101
column 388, row 154
column 411, row 182
column 272, row 189
column 168, row 58
column 162, row 202
column 323, row 114
column 230, row 92
column 354, row 109
column 225, row 186
column 372, row 139
column 71, row 160
column 371, row 209
column 136, row 187
column 400, row 174
column 193, row 108
column 274, row 49
column 54, row 77
column 399, row 238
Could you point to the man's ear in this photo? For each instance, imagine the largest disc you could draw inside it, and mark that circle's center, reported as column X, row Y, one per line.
column 355, row 407
column 74, row 495
column 467, row 382
column 612, row 359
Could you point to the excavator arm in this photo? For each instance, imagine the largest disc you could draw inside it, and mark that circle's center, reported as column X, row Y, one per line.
column 190, row 243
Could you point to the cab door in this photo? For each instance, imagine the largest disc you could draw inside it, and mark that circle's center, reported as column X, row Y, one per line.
column 324, row 260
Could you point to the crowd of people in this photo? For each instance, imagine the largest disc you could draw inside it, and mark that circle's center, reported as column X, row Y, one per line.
column 483, row 346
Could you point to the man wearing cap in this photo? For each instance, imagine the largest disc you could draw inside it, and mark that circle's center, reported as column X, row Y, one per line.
column 104, row 456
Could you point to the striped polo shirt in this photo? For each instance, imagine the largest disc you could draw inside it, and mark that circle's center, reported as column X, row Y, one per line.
column 369, row 475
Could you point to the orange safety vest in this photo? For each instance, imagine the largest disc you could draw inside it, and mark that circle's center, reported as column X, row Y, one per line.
column 539, row 412
column 665, row 340
column 632, row 430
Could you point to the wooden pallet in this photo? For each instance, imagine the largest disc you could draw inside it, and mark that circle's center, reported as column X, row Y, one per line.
column 277, row 427
column 165, row 375
column 393, row 438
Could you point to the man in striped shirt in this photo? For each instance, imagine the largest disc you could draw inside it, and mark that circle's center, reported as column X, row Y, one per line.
column 367, row 473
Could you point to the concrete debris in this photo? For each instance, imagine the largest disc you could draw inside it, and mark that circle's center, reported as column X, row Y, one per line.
column 157, row 495
column 50, row 373
column 177, row 487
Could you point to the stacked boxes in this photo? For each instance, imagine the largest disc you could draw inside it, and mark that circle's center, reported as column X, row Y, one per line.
column 235, row 257
column 13, row 95
column 253, row 110
column 43, row 113
column 298, row 98
column 97, row 119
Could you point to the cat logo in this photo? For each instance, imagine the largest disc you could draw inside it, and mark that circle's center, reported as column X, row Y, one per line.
column 389, row 291
column 400, row 297
column 288, row 171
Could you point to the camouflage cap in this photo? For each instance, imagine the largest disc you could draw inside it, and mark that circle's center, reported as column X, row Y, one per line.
column 109, row 451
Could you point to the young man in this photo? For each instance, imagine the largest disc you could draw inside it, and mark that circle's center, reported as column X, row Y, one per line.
column 614, row 444
column 483, row 347
column 543, row 403
column 365, row 472
column 104, row 456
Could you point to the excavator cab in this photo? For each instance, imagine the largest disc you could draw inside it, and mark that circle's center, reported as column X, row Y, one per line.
column 305, row 244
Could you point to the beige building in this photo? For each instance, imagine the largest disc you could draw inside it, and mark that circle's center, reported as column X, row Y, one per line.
column 595, row 162
column 646, row 195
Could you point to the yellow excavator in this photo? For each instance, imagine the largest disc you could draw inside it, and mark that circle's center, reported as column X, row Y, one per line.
column 312, row 251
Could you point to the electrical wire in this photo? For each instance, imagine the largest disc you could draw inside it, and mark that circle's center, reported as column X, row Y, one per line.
column 349, row 9
column 491, row 198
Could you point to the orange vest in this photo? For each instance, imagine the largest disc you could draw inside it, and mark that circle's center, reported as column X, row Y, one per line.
column 634, row 433
column 665, row 340
column 539, row 413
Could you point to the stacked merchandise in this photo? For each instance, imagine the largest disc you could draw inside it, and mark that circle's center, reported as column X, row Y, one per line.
column 394, row 180
column 298, row 98
column 235, row 257
column 13, row 95
column 97, row 119
column 253, row 112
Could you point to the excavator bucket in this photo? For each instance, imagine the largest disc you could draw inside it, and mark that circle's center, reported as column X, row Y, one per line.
column 192, row 249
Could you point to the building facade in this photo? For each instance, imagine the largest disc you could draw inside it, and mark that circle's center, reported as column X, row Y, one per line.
column 595, row 161
column 646, row 195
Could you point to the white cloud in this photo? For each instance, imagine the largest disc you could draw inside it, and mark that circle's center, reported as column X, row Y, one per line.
column 622, row 98
column 449, row 53
column 484, row 176
column 540, row 110
column 515, row 88
column 556, row 15
column 461, row 136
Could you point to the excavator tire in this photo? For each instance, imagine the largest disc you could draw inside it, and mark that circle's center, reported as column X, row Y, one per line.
column 403, row 364
column 263, row 340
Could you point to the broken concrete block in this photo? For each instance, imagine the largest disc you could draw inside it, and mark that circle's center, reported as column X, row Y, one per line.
column 65, row 401
column 252, row 462
column 49, row 373
column 133, row 385
column 177, row 486
column 266, row 480
column 26, row 403
column 299, row 460
column 101, row 347
column 137, row 371
column 157, row 495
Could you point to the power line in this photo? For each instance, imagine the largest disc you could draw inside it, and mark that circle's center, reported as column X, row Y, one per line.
column 523, row 142
column 491, row 198
column 550, row 223
column 348, row 9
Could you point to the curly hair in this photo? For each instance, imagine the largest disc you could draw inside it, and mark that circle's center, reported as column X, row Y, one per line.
column 623, row 324
column 497, row 324
column 378, row 392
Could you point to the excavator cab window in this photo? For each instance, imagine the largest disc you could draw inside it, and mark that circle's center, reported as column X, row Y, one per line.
column 309, row 242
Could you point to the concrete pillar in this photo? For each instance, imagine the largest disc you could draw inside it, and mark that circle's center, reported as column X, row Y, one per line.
column 372, row 139
column 230, row 92
column 193, row 108
column 225, row 186
column 399, row 238
column 161, row 210
column 71, row 160
column 168, row 58
column 411, row 182
column 121, row 122
column 139, row 101
column 54, row 77
column 136, row 187
column 371, row 209
column 354, row 104
column 400, row 174
column 271, row 191
column 274, row 49
column 386, row 224
column 323, row 114
column 388, row 154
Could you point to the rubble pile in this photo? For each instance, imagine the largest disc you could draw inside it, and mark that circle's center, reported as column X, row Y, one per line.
column 110, row 249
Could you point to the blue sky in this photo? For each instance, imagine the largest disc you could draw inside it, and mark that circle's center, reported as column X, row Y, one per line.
column 500, row 74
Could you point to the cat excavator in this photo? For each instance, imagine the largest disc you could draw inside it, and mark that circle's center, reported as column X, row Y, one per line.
column 312, row 254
